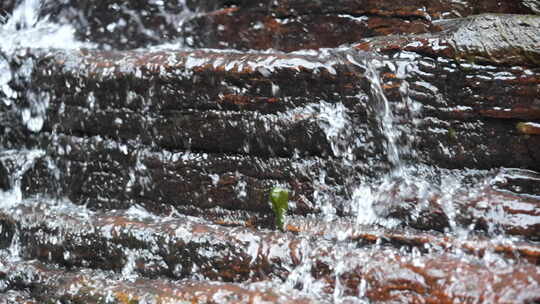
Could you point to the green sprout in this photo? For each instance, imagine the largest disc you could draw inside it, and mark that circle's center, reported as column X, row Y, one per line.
column 452, row 134
column 279, row 198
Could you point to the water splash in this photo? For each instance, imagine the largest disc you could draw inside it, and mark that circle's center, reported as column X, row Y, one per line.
column 394, row 141
column 25, row 28
column 14, row 164
column 371, row 200
column 25, row 105
column 383, row 113
column 334, row 120
column 407, row 188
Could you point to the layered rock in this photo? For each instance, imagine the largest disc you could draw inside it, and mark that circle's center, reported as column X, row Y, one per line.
column 199, row 137
column 262, row 24
column 229, row 121
column 90, row 286
column 192, row 249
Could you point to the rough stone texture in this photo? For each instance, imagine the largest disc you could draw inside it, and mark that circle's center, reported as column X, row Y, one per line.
column 199, row 137
column 262, row 24
column 433, row 279
column 176, row 246
column 224, row 95
column 492, row 205
column 251, row 29
column 212, row 187
column 12, row 296
column 513, row 40
column 265, row 108
column 105, row 175
column 497, row 85
column 293, row 25
column 410, row 238
column 420, row 8
column 87, row 286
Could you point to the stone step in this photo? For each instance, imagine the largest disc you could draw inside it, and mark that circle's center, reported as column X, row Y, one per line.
column 455, row 124
column 268, row 104
column 176, row 247
column 47, row 284
column 104, row 175
column 383, row 275
column 498, row 87
column 496, row 203
column 15, row 297
column 133, row 243
column 424, row 241
column 282, row 25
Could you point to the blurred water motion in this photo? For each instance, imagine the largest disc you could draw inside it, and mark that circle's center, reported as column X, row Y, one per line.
column 140, row 142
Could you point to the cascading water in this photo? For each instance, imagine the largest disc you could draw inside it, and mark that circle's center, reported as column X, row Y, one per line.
column 406, row 179
column 364, row 197
column 380, row 182
column 23, row 109
column 24, row 29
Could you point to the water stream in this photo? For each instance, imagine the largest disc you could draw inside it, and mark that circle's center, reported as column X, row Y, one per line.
column 402, row 185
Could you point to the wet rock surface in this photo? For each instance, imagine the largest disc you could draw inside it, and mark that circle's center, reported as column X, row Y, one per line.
column 142, row 175
column 90, row 286
column 189, row 248
column 262, row 24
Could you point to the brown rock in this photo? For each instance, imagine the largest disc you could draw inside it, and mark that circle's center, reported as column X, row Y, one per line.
column 178, row 248
column 92, row 286
column 529, row 128
column 494, row 39
column 261, row 24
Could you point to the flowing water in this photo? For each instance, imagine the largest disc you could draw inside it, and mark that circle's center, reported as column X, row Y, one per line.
column 363, row 200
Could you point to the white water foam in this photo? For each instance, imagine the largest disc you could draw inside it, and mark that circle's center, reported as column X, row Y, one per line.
column 15, row 164
column 25, row 28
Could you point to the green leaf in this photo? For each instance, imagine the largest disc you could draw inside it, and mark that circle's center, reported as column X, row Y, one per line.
column 279, row 198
